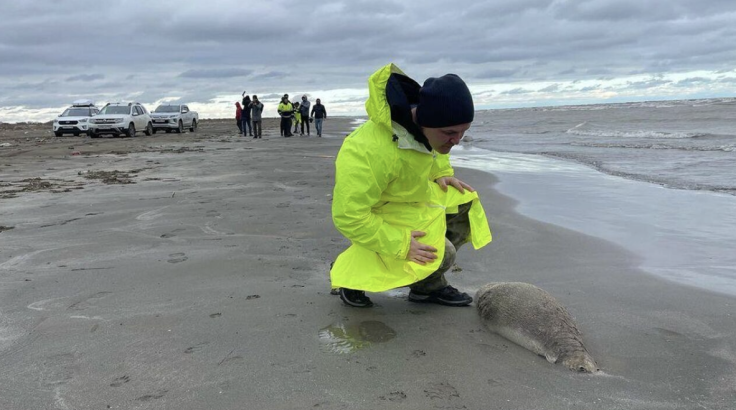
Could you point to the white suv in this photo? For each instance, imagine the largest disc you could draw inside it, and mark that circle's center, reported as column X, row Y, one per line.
column 121, row 119
column 75, row 119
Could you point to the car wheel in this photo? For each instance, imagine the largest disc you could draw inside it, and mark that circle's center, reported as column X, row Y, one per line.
column 194, row 126
column 131, row 130
column 58, row 134
column 180, row 129
column 149, row 129
column 154, row 130
column 92, row 134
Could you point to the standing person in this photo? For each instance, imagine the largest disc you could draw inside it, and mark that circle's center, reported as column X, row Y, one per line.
column 396, row 198
column 246, row 115
column 285, row 110
column 297, row 117
column 319, row 113
column 239, row 117
column 256, row 108
column 304, row 109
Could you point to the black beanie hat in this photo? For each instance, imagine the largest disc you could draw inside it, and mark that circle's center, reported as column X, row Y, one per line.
column 444, row 102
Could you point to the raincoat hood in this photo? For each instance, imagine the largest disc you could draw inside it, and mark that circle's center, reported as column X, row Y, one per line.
column 391, row 97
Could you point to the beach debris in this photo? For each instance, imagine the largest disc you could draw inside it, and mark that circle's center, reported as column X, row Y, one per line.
column 111, row 177
column 535, row 320
column 456, row 268
column 4, row 228
column 35, row 185
column 249, row 297
column 6, row 144
column 179, row 150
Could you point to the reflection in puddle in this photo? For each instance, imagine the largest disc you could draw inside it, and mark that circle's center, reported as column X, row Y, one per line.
column 347, row 338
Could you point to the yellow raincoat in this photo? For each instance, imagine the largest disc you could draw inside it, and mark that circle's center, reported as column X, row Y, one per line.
column 384, row 189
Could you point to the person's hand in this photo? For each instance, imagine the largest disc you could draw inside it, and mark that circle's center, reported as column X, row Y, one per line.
column 458, row 184
column 419, row 252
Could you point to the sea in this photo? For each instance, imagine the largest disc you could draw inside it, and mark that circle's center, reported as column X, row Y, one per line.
column 657, row 178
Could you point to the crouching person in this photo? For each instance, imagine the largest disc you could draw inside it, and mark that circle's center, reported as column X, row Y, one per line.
column 396, row 198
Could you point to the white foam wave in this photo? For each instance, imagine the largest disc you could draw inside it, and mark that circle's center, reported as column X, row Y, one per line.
column 725, row 148
column 628, row 134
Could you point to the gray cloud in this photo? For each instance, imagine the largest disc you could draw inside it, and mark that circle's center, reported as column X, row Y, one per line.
column 216, row 73
column 654, row 82
column 86, row 77
column 495, row 73
column 516, row 91
column 692, row 80
column 212, row 53
column 550, row 89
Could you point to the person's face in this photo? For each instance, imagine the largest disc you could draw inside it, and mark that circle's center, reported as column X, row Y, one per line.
column 318, row 101
column 443, row 139
column 304, row 98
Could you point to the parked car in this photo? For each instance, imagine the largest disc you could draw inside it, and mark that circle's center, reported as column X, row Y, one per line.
column 75, row 119
column 169, row 117
column 121, row 118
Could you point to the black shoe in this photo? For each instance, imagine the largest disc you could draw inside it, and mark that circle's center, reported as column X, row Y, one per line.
column 355, row 298
column 448, row 296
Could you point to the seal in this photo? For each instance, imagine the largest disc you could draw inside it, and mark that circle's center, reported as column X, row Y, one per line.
column 532, row 318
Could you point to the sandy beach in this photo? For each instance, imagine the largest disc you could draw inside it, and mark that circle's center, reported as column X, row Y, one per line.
column 191, row 272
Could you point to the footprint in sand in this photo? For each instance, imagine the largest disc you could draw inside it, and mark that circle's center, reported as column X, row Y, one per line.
column 395, row 396
column 173, row 233
column 195, row 348
column 153, row 396
column 87, row 302
column 177, row 257
column 120, row 381
column 442, row 391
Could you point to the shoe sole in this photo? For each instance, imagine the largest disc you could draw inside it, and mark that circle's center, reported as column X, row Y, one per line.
column 430, row 299
column 353, row 304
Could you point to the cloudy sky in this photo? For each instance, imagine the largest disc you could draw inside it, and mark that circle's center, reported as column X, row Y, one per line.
column 512, row 53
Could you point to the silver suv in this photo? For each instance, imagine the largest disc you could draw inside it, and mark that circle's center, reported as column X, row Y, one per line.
column 122, row 119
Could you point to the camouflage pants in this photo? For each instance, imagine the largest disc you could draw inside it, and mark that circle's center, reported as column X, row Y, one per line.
column 458, row 232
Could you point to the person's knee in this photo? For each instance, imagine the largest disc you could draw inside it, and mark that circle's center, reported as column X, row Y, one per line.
column 450, row 255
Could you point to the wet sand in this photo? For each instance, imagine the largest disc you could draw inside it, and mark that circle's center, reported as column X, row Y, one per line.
column 196, row 277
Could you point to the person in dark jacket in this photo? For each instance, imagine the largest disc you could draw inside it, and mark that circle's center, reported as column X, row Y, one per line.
column 319, row 113
column 256, row 108
column 304, row 110
column 246, row 115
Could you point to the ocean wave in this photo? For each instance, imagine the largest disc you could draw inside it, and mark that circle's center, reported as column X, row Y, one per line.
column 577, row 130
column 663, row 181
column 724, row 148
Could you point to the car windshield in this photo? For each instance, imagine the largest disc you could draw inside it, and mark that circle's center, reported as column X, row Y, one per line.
column 167, row 108
column 116, row 109
column 76, row 112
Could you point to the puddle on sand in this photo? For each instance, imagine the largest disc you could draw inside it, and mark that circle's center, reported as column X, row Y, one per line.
column 344, row 338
